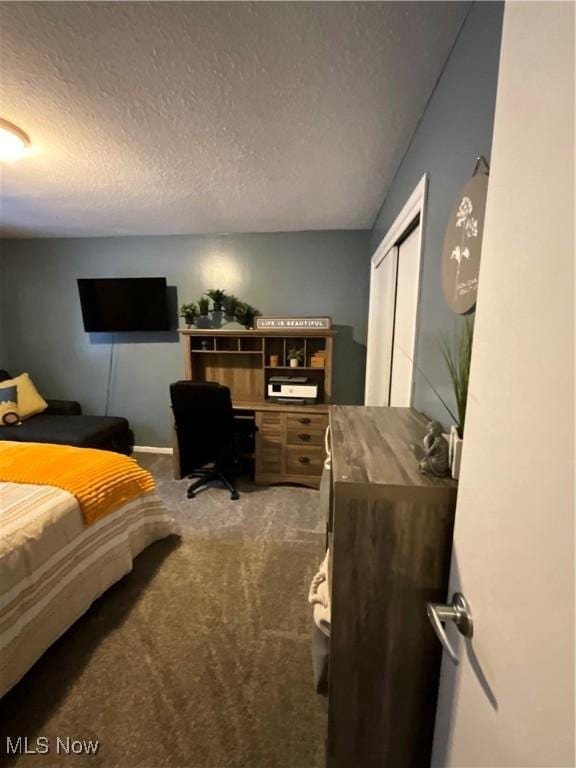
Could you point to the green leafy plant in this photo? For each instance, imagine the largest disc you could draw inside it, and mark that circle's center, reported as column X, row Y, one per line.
column 203, row 306
column 457, row 351
column 295, row 354
column 217, row 297
column 231, row 304
column 245, row 314
column 189, row 312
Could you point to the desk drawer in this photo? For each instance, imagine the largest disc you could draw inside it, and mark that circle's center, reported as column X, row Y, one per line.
column 304, row 461
column 306, row 420
column 305, row 436
column 269, row 423
column 268, row 444
column 270, row 456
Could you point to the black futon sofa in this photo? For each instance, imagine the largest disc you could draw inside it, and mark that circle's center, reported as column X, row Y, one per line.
column 64, row 424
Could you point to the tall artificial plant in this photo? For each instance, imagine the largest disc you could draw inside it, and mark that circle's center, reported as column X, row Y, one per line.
column 457, row 351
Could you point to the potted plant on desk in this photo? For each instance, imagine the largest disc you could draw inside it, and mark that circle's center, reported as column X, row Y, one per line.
column 294, row 356
column 218, row 297
column 245, row 314
column 231, row 304
column 204, row 310
column 190, row 313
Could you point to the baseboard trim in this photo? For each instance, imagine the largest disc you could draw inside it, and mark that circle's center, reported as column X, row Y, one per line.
column 151, row 449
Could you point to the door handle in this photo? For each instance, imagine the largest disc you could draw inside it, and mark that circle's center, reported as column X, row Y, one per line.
column 458, row 612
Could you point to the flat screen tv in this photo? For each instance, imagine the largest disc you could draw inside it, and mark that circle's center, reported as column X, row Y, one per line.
column 124, row 304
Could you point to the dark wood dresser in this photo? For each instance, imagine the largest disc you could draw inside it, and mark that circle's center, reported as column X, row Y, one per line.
column 390, row 533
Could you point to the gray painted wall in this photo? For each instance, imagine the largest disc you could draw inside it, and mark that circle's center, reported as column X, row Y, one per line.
column 306, row 272
column 455, row 129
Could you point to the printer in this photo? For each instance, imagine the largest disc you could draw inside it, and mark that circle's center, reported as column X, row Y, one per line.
column 297, row 390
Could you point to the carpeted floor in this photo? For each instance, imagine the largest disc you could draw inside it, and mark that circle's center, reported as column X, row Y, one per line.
column 200, row 658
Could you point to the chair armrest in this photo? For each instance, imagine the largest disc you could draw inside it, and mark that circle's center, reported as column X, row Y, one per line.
column 63, row 408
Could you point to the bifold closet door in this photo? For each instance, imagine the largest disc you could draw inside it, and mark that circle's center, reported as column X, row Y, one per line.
column 406, row 308
column 381, row 330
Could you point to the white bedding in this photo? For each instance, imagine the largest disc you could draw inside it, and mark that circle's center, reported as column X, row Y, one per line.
column 53, row 566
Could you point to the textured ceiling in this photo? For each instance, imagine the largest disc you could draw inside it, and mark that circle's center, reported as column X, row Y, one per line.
column 210, row 117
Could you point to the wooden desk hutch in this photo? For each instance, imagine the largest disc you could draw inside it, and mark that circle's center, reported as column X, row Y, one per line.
column 289, row 444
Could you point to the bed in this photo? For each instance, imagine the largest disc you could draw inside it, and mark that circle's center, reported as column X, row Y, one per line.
column 53, row 565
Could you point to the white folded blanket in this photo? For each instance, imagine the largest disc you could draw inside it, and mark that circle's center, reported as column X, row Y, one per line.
column 322, row 610
column 319, row 597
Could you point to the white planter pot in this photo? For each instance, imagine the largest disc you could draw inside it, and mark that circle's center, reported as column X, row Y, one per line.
column 294, row 362
column 455, row 452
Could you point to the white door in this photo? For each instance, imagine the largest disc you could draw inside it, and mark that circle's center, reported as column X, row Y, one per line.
column 381, row 329
column 392, row 321
column 510, row 702
column 404, row 336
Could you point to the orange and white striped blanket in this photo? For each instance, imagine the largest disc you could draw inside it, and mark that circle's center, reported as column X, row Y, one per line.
column 101, row 481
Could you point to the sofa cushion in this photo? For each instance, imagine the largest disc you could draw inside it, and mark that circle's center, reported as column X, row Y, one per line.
column 82, row 431
column 63, row 408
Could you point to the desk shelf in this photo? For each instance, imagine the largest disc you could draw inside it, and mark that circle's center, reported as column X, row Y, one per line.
column 240, row 360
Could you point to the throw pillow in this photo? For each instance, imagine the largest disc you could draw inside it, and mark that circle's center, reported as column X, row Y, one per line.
column 8, row 406
column 29, row 400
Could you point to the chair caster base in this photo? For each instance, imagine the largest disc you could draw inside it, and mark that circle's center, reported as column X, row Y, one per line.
column 206, row 477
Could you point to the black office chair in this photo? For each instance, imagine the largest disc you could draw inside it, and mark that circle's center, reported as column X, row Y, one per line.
column 204, row 422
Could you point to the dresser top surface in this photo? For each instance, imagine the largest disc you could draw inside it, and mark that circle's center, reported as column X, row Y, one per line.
column 373, row 445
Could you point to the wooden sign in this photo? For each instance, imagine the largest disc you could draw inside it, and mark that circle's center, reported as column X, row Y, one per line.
column 462, row 245
column 293, row 323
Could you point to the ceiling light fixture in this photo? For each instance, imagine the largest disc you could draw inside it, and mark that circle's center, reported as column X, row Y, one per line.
column 14, row 142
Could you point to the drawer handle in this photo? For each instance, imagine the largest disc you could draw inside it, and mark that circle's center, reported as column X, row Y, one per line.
column 304, row 420
column 304, row 459
column 304, row 436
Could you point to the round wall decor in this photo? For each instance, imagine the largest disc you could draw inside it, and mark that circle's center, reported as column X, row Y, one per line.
column 462, row 245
